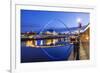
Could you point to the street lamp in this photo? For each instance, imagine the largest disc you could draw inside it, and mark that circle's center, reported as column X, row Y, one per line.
column 79, row 21
column 78, row 39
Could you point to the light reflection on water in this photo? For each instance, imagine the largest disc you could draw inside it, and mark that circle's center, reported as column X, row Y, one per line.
column 33, row 54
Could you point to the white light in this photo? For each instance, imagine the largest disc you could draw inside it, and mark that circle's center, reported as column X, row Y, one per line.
column 78, row 20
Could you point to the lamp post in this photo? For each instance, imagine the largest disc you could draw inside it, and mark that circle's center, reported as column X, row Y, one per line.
column 78, row 39
column 79, row 25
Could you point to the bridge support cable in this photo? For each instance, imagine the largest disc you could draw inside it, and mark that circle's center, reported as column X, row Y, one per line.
column 46, row 26
column 64, row 25
column 45, row 51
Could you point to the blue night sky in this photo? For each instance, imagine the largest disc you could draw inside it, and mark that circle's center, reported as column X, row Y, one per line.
column 35, row 20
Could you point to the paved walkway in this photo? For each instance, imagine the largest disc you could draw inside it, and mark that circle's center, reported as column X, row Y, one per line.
column 83, row 52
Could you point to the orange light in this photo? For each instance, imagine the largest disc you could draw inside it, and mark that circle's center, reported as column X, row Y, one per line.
column 29, row 43
column 87, row 37
column 48, row 42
